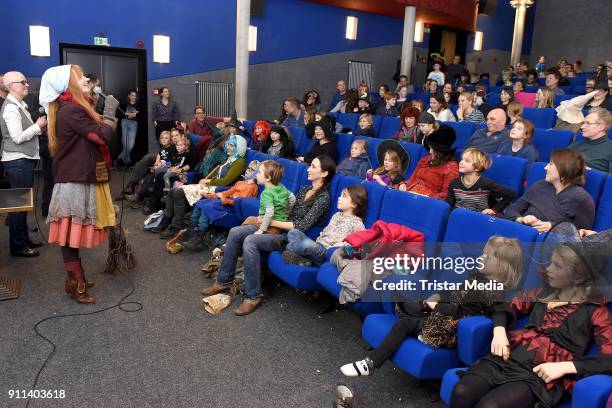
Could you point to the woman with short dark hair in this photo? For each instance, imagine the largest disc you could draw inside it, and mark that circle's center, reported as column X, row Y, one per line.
column 165, row 112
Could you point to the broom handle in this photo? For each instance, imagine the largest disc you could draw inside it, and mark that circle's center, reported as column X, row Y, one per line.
column 210, row 175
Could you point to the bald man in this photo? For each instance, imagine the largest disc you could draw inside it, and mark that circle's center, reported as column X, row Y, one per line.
column 489, row 139
column 20, row 152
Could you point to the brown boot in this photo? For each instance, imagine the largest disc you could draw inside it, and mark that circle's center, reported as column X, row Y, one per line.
column 216, row 288
column 76, row 286
column 88, row 283
column 248, row 306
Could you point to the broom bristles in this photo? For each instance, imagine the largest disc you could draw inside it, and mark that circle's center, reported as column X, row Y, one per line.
column 120, row 252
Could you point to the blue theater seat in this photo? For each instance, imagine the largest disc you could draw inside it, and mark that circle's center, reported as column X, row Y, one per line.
column 594, row 180
column 343, row 143
column 560, row 98
column 493, row 98
column 416, row 151
column 540, row 117
column 463, row 130
column 508, row 171
column 389, row 127
column 348, row 120
column 603, row 218
column 547, row 140
column 567, row 89
column 294, row 173
column 423, row 96
column 378, row 121
column 249, row 125
column 299, row 138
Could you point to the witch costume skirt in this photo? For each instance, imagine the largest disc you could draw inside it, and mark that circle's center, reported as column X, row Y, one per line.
column 80, row 214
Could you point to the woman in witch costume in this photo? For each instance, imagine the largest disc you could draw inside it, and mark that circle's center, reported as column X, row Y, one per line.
column 81, row 208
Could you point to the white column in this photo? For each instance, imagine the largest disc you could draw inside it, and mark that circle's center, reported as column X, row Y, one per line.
column 408, row 40
column 519, row 28
column 243, row 20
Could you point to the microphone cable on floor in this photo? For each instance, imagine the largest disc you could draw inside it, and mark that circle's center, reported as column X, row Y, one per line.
column 128, row 307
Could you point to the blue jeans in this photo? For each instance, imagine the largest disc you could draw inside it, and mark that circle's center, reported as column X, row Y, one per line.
column 20, row 173
column 252, row 245
column 199, row 219
column 128, row 138
column 300, row 244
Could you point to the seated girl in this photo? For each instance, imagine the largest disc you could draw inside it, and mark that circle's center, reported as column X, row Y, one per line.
column 474, row 192
column 467, row 109
column 394, row 161
column 279, row 143
column 409, row 128
column 502, row 263
column 365, row 126
column 539, row 364
column 519, row 142
column 514, row 112
column 303, row 251
column 435, row 171
column 261, row 132
column 216, row 206
column 323, row 133
column 358, row 163
column 558, row 198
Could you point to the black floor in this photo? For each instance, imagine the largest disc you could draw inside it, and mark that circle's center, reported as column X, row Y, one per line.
column 173, row 353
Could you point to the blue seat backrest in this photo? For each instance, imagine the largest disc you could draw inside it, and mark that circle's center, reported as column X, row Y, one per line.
column 468, row 231
column 298, row 135
column 579, row 89
column 249, row 125
column 415, row 151
column 508, row 171
column 542, row 81
column 423, row 96
column 343, row 143
column 493, row 99
column 540, row 117
column 576, row 81
column 603, row 218
column 531, row 89
column 546, row 141
column 375, row 191
column 594, row 180
column 294, row 173
column 304, row 146
column 420, row 213
column 378, row 120
column 567, row 89
column 389, row 127
column 463, row 130
column 372, row 147
column 348, row 120
column 250, row 155
column 560, row 98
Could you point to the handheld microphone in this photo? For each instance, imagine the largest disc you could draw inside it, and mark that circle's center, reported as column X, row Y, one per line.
column 98, row 91
column 41, row 111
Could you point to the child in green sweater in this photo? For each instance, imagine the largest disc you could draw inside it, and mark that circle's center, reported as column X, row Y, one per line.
column 275, row 201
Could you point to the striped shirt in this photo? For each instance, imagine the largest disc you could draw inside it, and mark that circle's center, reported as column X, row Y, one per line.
column 475, row 116
column 483, row 194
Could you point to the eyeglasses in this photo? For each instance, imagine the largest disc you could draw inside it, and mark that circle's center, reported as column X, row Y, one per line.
column 24, row 82
column 592, row 123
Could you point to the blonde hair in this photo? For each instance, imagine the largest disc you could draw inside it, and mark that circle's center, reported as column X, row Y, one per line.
column 469, row 96
column 368, row 117
column 78, row 97
column 515, row 108
column 480, row 159
column 362, row 142
column 507, row 256
column 547, row 98
column 166, row 133
column 582, row 280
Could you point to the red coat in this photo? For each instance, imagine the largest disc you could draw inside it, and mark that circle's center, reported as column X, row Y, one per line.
column 432, row 181
column 407, row 240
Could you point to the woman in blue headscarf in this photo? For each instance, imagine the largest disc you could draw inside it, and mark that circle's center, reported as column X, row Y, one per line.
column 225, row 174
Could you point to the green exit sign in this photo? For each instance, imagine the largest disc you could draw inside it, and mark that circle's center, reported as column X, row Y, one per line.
column 101, row 41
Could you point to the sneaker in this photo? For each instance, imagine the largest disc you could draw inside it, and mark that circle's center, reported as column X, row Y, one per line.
column 294, row 259
column 361, row 368
column 161, row 227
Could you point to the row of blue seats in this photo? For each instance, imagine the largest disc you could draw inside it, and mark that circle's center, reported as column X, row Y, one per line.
column 512, row 172
column 386, row 127
column 438, row 224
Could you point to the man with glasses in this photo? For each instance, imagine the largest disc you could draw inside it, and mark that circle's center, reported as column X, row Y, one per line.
column 201, row 131
column 589, row 85
column 596, row 147
column 20, row 151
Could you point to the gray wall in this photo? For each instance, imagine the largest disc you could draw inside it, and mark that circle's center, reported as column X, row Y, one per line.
column 573, row 30
column 491, row 61
column 270, row 83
